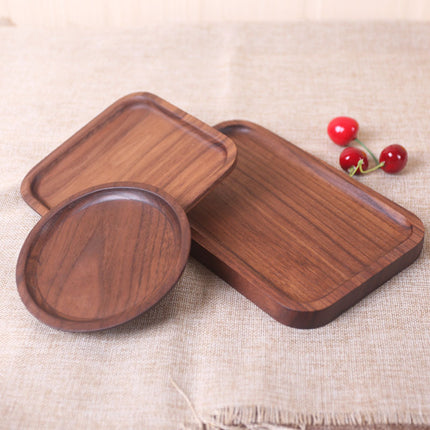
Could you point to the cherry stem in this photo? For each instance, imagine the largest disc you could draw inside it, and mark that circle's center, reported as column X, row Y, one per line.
column 373, row 168
column 359, row 167
column 353, row 170
column 368, row 150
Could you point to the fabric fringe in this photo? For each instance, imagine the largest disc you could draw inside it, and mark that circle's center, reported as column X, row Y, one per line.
column 271, row 418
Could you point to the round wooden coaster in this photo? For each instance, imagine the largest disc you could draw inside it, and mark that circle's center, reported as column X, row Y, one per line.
column 103, row 257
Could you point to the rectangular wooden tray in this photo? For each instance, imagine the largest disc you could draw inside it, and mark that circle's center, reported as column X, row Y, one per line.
column 296, row 236
column 142, row 139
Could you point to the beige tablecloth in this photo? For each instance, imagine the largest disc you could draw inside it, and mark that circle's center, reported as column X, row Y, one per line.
column 236, row 365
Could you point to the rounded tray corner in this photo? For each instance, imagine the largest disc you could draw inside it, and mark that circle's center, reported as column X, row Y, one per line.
column 139, row 138
column 296, row 236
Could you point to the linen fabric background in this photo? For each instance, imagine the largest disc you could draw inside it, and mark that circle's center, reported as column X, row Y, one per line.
column 236, row 365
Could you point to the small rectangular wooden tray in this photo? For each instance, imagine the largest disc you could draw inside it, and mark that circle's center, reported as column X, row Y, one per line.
column 142, row 139
column 296, row 236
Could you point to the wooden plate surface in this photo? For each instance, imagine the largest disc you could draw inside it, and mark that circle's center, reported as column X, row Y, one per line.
column 104, row 257
column 299, row 238
column 140, row 138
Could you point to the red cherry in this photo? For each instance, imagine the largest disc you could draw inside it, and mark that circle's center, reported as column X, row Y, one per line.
column 394, row 158
column 350, row 157
column 342, row 130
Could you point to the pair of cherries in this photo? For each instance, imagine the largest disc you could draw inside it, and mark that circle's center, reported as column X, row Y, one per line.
column 343, row 130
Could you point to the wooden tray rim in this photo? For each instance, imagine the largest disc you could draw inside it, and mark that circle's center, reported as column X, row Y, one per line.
column 216, row 137
column 94, row 325
column 411, row 245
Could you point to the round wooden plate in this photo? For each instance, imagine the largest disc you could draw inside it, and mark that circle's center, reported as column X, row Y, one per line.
column 103, row 257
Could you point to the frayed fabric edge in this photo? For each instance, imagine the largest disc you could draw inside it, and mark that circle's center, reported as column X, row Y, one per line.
column 259, row 417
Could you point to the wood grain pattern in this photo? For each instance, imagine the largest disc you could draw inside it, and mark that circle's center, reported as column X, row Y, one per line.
column 140, row 138
column 299, row 238
column 103, row 257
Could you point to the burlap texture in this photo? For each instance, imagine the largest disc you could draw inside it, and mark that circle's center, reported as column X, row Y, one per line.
column 236, row 364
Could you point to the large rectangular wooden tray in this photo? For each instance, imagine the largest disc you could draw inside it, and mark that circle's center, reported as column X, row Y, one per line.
column 142, row 139
column 296, row 236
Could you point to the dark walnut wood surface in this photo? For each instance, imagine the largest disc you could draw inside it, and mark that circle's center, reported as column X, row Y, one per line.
column 103, row 258
column 140, row 138
column 299, row 238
